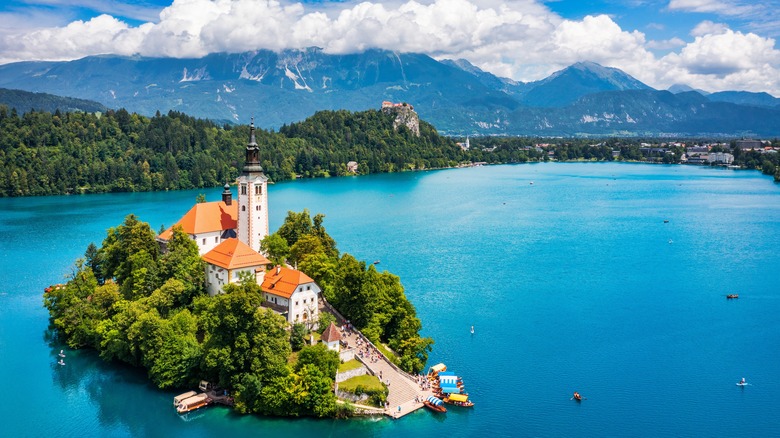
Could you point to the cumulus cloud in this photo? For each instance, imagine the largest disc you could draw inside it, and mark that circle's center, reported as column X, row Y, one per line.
column 707, row 27
column 726, row 61
column 521, row 39
column 671, row 43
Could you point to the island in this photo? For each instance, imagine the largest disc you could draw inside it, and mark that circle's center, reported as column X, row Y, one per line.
column 264, row 322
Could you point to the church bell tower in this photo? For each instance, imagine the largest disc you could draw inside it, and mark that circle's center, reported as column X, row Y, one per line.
column 252, row 196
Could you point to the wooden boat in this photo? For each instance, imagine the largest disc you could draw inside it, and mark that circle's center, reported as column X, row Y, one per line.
column 459, row 400
column 577, row 396
column 192, row 403
column 732, row 296
column 181, row 397
column 434, row 404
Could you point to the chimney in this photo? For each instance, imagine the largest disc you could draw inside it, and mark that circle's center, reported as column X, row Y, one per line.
column 278, row 269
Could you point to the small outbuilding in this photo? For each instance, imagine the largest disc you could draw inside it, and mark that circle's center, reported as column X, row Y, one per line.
column 331, row 337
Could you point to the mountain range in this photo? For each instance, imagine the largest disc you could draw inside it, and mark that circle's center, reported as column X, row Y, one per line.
column 278, row 88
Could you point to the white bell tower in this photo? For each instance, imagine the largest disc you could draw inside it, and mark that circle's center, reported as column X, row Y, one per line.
column 252, row 196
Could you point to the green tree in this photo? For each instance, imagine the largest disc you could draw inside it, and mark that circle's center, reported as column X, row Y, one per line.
column 183, row 262
column 295, row 225
column 298, row 336
column 320, row 357
column 275, row 248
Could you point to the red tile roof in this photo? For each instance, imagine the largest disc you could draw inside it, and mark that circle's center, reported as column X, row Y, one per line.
column 283, row 281
column 205, row 217
column 234, row 254
column 331, row 334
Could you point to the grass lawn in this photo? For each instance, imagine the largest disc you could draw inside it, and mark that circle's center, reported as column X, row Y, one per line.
column 367, row 382
column 350, row 365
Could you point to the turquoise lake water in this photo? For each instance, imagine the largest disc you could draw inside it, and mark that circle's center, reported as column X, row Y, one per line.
column 573, row 283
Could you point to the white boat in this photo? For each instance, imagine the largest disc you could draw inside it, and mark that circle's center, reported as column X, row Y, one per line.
column 61, row 362
column 742, row 382
column 62, row 354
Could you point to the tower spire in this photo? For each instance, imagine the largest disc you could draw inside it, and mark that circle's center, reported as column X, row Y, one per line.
column 252, row 162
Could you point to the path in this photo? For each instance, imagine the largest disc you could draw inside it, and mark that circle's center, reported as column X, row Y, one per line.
column 402, row 389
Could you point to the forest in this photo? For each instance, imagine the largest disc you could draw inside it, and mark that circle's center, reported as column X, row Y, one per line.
column 44, row 153
column 135, row 304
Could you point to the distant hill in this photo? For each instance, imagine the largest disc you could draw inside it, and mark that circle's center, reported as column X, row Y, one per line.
column 746, row 98
column 453, row 95
column 24, row 101
column 682, row 88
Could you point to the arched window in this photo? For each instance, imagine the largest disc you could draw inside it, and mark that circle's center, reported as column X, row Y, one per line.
column 243, row 208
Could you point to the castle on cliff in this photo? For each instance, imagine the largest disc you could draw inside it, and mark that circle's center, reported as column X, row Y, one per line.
column 404, row 115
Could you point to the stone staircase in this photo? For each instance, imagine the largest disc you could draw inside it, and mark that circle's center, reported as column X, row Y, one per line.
column 402, row 390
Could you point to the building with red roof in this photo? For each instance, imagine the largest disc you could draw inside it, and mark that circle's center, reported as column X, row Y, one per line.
column 228, row 260
column 208, row 223
column 293, row 293
column 331, row 337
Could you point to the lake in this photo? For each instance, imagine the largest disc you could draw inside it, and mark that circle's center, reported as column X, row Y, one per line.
column 567, row 271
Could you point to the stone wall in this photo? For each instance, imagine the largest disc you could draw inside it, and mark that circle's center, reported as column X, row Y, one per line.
column 340, row 377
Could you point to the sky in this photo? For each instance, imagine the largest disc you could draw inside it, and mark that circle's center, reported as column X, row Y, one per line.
column 713, row 45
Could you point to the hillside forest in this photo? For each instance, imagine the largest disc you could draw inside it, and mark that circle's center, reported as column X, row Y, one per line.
column 43, row 153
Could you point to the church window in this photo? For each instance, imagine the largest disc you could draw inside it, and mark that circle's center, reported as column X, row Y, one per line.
column 258, row 190
column 243, row 189
column 243, row 208
column 204, row 240
column 308, row 287
column 216, row 239
column 296, row 303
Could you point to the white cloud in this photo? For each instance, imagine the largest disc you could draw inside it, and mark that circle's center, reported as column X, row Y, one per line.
column 707, row 27
column 726, row 61
column 521, row 39
column 671, row 43
column 714, row 6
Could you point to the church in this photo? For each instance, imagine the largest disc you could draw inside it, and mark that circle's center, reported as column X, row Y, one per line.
column 228, row 236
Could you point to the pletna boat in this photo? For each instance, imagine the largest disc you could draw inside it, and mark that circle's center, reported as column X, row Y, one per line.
column 459, row 400
column 192, row 403
column 434, row 404
column 577, row 396
column 732, row 296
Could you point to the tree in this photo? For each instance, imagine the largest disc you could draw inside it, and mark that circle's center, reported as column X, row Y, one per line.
column 298, row 336
column 201, row 198
column 240, row 336
column 321, row 357
column 306, row 246
column 92, row 260
column 183, row 262
column 295, row 225
column 275, row 248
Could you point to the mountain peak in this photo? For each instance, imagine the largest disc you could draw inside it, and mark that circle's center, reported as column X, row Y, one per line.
column 569, row 84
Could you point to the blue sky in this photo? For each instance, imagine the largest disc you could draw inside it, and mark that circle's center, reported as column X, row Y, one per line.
column 710, row 44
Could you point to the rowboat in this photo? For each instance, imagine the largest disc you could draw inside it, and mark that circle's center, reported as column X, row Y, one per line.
column 732, row 296
column 577, row 396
